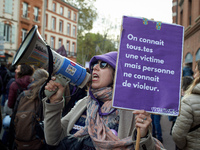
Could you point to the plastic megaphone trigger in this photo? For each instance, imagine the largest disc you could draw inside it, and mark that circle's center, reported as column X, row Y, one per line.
column 63, row 80
column 60, row 79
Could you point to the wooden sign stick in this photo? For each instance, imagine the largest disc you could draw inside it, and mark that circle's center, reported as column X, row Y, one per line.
column 137, row 146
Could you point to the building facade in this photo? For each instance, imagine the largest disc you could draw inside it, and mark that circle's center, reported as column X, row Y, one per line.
column 56, row 20
column 8, row 29
column 187, row 14
column 30, row 14
column 61, row 20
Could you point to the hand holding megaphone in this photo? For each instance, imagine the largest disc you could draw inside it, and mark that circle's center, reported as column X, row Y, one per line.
column 34, row 51
column 63, row 80
column 58, row 79
column 54, row 90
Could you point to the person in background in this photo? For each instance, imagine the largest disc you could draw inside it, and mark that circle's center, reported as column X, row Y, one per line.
column 23, row 78
column 156, row 127
column 7, row 110
column 12, row 78
column 0, row 120
column 3, row 72
column 2, row 145
column 187, row 70
column 93, row 123
column 186, row 81
column 186, row 132
column 11, row 69
column 1, row 86
column 72, row 96
column 38, row 78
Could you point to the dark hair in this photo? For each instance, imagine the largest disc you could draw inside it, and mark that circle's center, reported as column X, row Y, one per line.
column 195, row 81
column 186, row 81
column 3, row 64
column 12, row 68
column 0, row 120
column 25, row 70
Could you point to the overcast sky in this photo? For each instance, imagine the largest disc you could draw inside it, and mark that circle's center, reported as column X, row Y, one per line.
column 113, row 10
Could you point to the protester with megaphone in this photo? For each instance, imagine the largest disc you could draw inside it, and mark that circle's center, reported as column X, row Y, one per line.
column 35, row 51
column 93, row 123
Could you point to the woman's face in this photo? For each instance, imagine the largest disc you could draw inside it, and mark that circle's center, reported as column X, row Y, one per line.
column 17, row 70
column 102, row 77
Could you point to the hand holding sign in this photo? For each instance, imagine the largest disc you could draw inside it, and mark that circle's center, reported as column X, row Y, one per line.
column 148, row 74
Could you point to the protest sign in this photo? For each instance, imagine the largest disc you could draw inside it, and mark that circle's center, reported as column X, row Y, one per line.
column 149, row 64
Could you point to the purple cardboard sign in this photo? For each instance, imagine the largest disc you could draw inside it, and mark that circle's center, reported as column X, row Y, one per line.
column 149, row 64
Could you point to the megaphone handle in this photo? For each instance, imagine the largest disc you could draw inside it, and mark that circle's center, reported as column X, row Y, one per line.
column 60, row 79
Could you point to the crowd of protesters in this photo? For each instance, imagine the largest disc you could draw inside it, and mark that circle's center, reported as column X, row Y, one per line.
column 84, row 118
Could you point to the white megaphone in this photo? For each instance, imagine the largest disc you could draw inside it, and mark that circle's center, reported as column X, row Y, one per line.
column 33, row 51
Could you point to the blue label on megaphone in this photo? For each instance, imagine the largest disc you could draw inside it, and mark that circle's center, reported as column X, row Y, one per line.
column 73, row 71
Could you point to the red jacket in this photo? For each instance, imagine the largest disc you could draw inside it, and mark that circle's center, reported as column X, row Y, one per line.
column 23, row 82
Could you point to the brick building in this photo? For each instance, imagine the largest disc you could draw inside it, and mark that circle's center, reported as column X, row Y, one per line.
column 30, row 14
column 57, row 22
column 187, row 14
column 61, row 21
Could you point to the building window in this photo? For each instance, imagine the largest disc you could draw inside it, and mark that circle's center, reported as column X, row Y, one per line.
column 52, row 42
column 53, row 25
column 61, row 11
column 8, row 6
column 24, row 32
column 36, row 13
column 54, row 7
column 46, row 20
column 190, row 12
column 74, row 31
column 7, row 31
column 61, row 26
column 67, row 48
column 74, row 17
column 188, row 58
column 73, row 49
column 68, row 29
column 59, row 43
column 181, row 18
column 198, row 55
column 69, row 14
column 25, row 10
column 13, row 34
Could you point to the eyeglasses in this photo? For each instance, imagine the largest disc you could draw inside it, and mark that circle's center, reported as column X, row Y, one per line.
column 102, row 64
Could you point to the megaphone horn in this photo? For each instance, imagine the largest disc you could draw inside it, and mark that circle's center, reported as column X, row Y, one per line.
column 33, row 51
